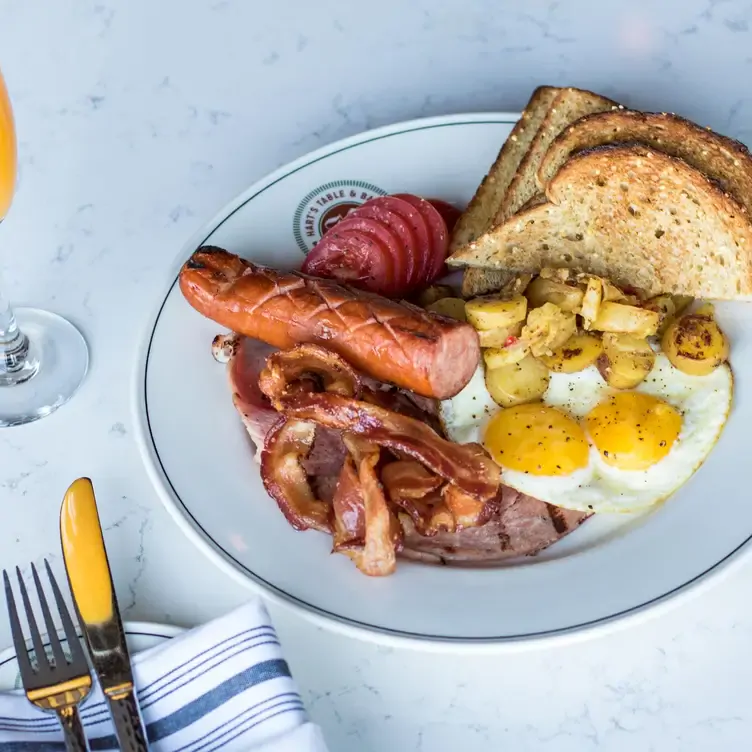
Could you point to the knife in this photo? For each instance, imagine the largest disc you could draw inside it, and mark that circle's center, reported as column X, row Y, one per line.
column 94, row 597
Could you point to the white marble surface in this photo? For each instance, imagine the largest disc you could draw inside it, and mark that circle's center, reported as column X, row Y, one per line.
column 138, row 119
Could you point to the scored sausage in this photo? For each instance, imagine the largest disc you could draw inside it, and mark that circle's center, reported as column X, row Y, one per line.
column 396, row 342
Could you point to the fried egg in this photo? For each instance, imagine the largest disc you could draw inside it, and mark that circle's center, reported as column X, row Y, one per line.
column 589, row 447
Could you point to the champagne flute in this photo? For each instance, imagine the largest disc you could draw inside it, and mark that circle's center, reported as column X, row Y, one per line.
column 43, row 357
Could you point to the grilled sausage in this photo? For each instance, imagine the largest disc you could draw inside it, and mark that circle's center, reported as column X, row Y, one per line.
column 390, row 341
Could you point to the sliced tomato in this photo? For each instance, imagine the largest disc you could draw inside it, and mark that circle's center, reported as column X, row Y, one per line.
column 420, row 230
column 354, row 258
column 407, row 223
column 387, row 237
column 449, row 212
column 439, row 237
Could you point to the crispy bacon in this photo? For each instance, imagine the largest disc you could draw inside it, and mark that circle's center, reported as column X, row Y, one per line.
column 362, row 513
column 465, row 465
column 433, row 509
column 466, row 510
column 407, row 479
column 398, row 401
column 298, row 369
column 439, row 487
column 429, row 514
column 417, row 491
column 349, row 510
column 285, row 478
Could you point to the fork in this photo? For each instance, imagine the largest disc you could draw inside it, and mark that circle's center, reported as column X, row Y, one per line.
column 59, row 684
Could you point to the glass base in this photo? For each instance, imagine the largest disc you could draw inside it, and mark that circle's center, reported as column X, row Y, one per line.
column 56, row 364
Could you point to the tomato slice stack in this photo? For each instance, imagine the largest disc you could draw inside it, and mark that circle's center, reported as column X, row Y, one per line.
column 391, row 245
column 450, row 212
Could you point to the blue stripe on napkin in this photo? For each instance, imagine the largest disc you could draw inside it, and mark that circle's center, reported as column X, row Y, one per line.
column 224, row 685
column 97, row 712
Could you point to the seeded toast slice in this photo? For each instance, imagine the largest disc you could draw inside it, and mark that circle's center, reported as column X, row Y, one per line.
column 726, row 161
column 635, row 215
column 569, row 105
column 511, row 182
column 485, row 203
column 477, row 281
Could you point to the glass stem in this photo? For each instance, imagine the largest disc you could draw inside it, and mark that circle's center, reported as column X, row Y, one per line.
column 14, row 345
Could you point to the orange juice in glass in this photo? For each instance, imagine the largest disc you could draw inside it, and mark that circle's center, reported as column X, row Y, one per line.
column 7, row 151
column 43, row 357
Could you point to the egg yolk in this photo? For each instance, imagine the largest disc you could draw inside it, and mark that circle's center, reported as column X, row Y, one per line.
column 633, row 431
column 536, row 439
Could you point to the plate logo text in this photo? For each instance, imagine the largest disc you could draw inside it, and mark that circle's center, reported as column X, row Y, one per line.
column 323, row 207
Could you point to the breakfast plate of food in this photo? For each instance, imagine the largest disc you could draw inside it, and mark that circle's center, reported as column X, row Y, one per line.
column 471, row 380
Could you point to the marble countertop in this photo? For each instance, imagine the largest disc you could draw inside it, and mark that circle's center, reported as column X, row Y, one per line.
column 138, row 120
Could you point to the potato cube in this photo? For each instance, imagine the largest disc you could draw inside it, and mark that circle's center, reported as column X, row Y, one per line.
column 626, row 319
column 498, row 337
column 491, row 312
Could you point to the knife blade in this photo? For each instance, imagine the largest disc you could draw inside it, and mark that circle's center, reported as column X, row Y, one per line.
column 94, row 597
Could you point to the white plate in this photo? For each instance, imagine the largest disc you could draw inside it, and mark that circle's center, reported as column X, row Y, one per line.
column 201, row 461
column 139, row 635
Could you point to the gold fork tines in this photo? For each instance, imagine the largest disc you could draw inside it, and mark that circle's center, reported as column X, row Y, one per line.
column 57, row 683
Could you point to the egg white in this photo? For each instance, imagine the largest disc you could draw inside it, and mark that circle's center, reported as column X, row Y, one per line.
column 704, row 401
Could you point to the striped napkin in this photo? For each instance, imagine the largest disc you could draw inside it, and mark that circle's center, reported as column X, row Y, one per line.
column 222, row 686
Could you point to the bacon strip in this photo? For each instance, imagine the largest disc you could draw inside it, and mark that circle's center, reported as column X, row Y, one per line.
column 466, row 510
column 465, row 465
column 349, row 510
column 407, row 479
column 443, row 487
column 365, row 529
column 285, row 478
column 430, row 514
column 291, row 371
column 417, row 491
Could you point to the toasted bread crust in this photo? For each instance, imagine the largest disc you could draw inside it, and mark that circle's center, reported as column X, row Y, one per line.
column 569, row 105
column 477, row 281
column 724, row 160
column 635, row 215
column 485, row 203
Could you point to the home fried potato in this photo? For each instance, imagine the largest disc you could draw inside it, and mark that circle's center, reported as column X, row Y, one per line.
column 665, row 307
column 548, row 328
column 612, row 292
column 454, row 308
column 496, row 357
column 625, row 361
column 542, row 290
column 591, row 301
column 576, row 354
column 492, row 312
column 694, row 343
column 625, row 319
column 516, row 383
column 561, row 274
column 499, row 337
